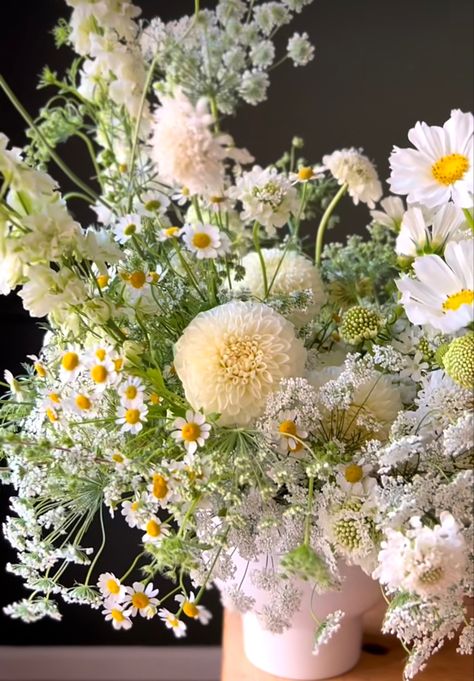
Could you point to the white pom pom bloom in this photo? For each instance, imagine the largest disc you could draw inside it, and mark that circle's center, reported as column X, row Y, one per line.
column 232, row 357
column 351, row 167
column 421, row 233
column 440, row 168
column 290, row 273
column 442, row 294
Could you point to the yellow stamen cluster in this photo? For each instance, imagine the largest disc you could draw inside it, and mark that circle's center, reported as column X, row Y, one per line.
column 132, row 416
column 70, row 361
column 137, row 279
column 450, row 169
column 99, row 373
column 353, row 473
column 201, row 240
column 190, row 432
column 190, row 610
column 455, row 300
column 153, row 528
column 160, row 486
column 83, row 402
column 140, row 600
column 305, row 173
column 112, row 586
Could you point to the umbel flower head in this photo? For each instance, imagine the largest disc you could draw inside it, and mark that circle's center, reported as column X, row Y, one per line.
column 458, row 361
column 232, row 357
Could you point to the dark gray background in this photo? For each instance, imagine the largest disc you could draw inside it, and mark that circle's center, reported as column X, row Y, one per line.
column 380, row 66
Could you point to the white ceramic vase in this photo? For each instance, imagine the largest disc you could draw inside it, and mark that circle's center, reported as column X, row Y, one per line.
column 290, row 654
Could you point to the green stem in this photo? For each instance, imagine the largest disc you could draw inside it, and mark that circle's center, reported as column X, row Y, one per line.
column 324, row 223
column 57, row 159
column 101, row 547
column 469, row 217
column 131, row 568
column 256, row 243
column 307, row 522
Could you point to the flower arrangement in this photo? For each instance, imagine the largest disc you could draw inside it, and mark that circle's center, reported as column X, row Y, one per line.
column 204, row 377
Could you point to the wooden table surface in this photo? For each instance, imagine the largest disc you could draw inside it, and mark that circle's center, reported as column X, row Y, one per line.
column 446, row 665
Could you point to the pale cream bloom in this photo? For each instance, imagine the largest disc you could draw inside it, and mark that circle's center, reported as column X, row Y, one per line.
column 351, row 167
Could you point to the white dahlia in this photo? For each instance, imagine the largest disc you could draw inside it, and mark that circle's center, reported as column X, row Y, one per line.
column 440, row 168
column 232, row 357
column 290, row 273
column 442, row 294
column 429, row 233
column 351, row 167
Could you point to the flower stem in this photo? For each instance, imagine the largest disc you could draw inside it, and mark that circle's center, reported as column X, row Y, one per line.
column 469, row 217
column 324, row 223
column 256, row 243
column 307, row 522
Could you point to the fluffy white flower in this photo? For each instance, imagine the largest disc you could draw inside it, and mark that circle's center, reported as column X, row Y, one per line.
column 442, row 294
column 290, row 273
column 267, row 196
column 185, row 150
column 425, row 561
column 232, row 357
column 440, row 169
column 48, row 291
column 420, row 233
column 392, row 214
column 299, row 49
column 352, row 167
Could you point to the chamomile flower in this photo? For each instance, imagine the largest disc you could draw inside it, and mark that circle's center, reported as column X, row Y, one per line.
column 127, row 227
column 354, row 478
column 71, row 363
column 192, row 430
column 111, row 588
column 167, row 233
column 81, row 403
column 159, row 489
column 38, row 366
column 118, row 615
column 131, row 392
column 139, row 598
column 152, row 204
column 131, row 418
column 440, row 169
column 181, row 196
column 289, row 433
column 14, row 386
column 203, row 240
column 138, row 282
column 306, row 174
column 131, row 510
column 118, row 459
column 155, row 531
column 192, row 610
column 102, row 373
column 172, row 622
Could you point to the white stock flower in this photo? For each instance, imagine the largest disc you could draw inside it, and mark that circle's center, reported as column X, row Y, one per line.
column 424, row 561
column 290, row 273
column 420, row 233
column 267, row 196
column 232, row 357
column 440, row 169
column 48, row 291
column 352, row 167
column 442, row 294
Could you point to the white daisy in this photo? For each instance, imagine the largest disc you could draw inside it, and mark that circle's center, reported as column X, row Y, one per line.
column 306, row 174
column 289, row 432
column 192, row 430
column 125, row 228
column 155, row 531
column 421, row 233
column 159, row 489
column 442, row 294
column 130, row 511
column 354, row 478
column 81, row 403
column 131, row 418
column 392, row 213
column 71, row 363
column 204, row 240
column 440, row 169
column 102, row 373
column 181, row 196
column 353, row 168
column 138, row 282
column 172, row 232
column 131, row 392
column 118, row 459
column 172, row 622
column 152, row 204
column 139, row 598
column 111, row 588
column 192, row 609
column 118, row 615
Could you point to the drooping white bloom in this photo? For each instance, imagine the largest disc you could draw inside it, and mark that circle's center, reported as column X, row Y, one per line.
column 440, row 169
column 184, row 148
column 287, row 273
column 232, row 357
column 139, row 598
column 442, row 294
column 192, row 609
column 422, row 234
column 424, row 560
column 118, row 614
column 352, row 167
column 392, row 214
column 267, row 197
column 177, row 626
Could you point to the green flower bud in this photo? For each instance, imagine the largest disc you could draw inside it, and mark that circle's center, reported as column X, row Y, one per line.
column 297, row 142
column 359, row 324
column 304, row 562
column 458, row 361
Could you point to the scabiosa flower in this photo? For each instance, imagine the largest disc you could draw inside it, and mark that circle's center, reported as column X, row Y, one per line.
column 205, row 241
column 440, row 169
column 132, row 418
column 421, row 234
column 192, row 430
column 359, row 324
column 191, row 609
column 117, row 614
column 391, row 215
column 232, row 357
column 172, row 622
column 267, row 197
column 111, row 588
column 458, row 361
column 352, row 167
column 127, row 227
column 442, row 294
column 139, row 598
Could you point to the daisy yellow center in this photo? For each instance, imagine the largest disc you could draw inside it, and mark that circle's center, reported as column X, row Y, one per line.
column 131, row 392
column 305, row 173
column 40, row 370
column 455, row 300
column 118, row 363
column 353, row 473
column 70, row 361
column 201, row 240
column 132, row 416
column 130, row 229
column 100, row 354
column 185, row 191
column 173, row 621
column 123, row 167
column 83, row 402
column 190, row 610
column 242, row 359
column 113, row 587
column 190, row 432
column 171, row 231
column 51, row 414
column 217, row 199
column 287, row 427
column 137, row 279
column 134, row 506
column 99, row 373
column 140, row 600
column 153, row 528
column 154, row 398
column 117, row 457
column 160, row 486
column 450, row 169
column 152, row 205
column 102, row 280
column 117, row 615
column 54, row 397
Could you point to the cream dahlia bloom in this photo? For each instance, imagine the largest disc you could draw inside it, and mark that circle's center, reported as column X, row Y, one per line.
column 440, row 169
column 351, row 167
column 184, row 148
column 290, row 273
column 232, row 357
